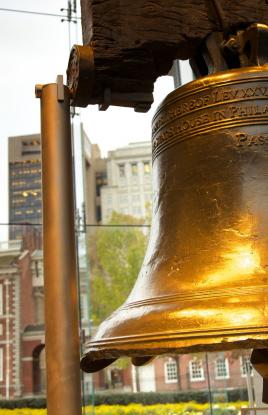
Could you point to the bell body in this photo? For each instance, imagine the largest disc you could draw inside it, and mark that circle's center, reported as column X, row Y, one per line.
column 204, row 281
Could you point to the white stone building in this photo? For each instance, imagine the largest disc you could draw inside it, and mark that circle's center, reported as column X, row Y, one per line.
column 129, row 181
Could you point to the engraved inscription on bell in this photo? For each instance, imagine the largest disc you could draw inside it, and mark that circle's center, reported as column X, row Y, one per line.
column 235, row 103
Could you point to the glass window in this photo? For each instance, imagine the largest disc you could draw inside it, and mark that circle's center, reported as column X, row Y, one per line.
column 146, row 167
column 109, row 200
column 134, row 169
column 221, row 368
column 136, row 199
column 136, row 211
column 196, row 370
column 245, row 366
column 121, row 168
column 148, row 197
column 171, row 374
column 123, row 199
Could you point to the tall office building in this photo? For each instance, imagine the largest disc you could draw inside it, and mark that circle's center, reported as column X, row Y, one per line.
column 25, row 204
column 25, row 198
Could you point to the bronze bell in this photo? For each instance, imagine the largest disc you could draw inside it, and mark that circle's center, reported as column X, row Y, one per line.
column 203, row 284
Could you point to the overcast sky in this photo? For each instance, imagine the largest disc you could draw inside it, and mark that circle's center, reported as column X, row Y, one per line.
column 34, row 49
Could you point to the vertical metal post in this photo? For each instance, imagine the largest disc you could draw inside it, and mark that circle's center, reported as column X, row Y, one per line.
column 209, row 385
column 61, row 299
column 249, row 386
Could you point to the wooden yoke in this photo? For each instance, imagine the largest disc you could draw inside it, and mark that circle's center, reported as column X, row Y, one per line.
column 131, row 43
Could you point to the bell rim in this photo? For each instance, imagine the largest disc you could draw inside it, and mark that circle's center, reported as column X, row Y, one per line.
column 223, row 342
column 167, row 337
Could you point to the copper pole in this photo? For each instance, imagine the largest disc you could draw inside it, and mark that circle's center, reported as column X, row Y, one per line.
column 61, row 300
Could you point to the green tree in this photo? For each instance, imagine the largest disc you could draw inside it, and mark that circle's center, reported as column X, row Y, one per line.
column 116, row 259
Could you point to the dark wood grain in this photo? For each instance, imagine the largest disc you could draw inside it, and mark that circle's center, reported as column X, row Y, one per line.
column 135, row 41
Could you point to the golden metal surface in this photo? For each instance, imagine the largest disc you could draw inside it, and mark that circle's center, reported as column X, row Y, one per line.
column 61, row 300
column 204, row 281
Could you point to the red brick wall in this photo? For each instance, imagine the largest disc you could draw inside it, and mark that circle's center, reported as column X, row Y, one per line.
column 29, row 347
column 8, row 320
column 185, row 383
column 127, row 377
column 27, row 310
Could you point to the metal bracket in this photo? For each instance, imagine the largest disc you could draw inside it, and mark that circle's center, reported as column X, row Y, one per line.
column 60, row 89
column 80, row 80
column 246, row 48
column 249, row 45
column 141, row 102
column 80, row 75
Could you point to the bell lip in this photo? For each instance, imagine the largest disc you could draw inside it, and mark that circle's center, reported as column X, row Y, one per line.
column 142, row 328
column 99, row 357
column 242, row 74
column 91, row 366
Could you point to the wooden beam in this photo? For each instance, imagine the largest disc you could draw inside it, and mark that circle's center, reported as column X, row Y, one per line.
column 135, row 41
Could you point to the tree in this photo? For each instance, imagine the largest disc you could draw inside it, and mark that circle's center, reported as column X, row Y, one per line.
column 115, row 263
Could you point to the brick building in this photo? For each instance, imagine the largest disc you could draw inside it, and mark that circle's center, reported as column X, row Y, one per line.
column 22, row 330
column 220, row 372
column 21, row 298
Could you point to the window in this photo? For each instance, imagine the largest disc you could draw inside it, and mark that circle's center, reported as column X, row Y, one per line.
column 134, row 169
column 146, row 167
column 171, row 374
column 221, row 368
column 108, row 213
column 136, row 211
column 135, row 199
column 148, row 197
column 245, row 366
column 196, row 370
column 121, row 168
column 109, row 200
column 123, row 200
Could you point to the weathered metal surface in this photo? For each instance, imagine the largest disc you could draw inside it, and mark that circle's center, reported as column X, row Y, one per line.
column 204, row 281
column 243, row 48
column 60, row 275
